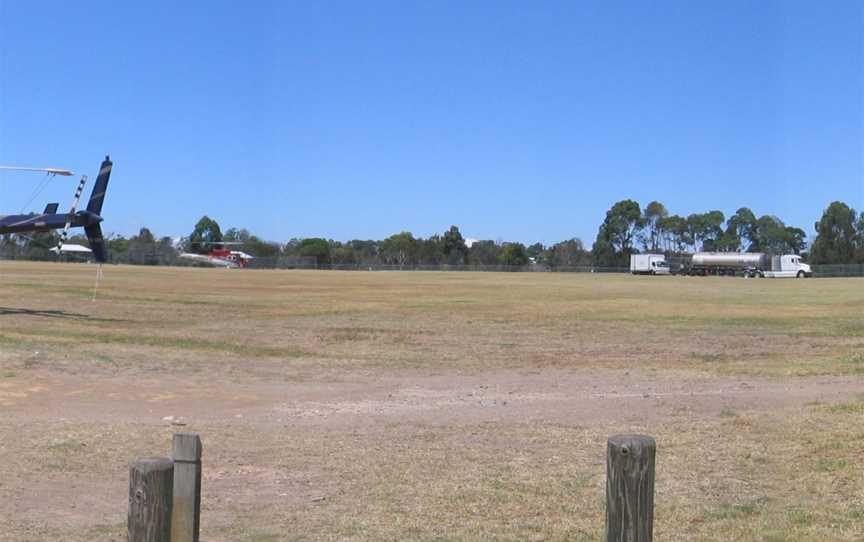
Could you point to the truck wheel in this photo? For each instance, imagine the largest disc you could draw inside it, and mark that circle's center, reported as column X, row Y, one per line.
column 800, row 274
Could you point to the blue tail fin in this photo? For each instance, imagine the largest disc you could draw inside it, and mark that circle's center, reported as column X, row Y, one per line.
column 97, row 243
column 97, row 197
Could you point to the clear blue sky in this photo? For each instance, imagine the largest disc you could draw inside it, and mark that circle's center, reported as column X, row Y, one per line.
column 514, row 120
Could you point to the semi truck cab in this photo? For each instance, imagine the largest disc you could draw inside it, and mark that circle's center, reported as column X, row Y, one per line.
column 787, row 266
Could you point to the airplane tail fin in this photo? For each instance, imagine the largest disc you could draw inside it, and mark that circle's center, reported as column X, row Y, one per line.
column 97, row 197
column 97, row 243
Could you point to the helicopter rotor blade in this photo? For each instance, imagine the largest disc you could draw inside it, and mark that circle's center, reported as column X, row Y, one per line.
column 51, row 170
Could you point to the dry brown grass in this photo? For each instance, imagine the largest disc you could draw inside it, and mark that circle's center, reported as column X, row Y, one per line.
column 776, row 472
column 197, row 317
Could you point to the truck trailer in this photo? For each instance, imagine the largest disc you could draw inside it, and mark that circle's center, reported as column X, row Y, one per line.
column 747, row 264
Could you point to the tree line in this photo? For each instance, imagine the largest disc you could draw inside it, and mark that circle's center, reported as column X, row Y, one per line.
column 626, row 229
column 402, row 250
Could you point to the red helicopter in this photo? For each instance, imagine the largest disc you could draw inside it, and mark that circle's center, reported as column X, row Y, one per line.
column 220, row 256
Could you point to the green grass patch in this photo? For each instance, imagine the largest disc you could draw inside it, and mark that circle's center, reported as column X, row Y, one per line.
column 726, row 511
column 66, row 446
column 853, row 363
column 856, row 407
column 180, row 343
column 799, row 517
column 831, row 465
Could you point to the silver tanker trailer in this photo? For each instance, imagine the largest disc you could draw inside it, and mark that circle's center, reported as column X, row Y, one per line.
column 747, row 264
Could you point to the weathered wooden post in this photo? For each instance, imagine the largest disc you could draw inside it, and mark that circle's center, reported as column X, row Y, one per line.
column 151, row 483
column 186, row 452
column 630, row 488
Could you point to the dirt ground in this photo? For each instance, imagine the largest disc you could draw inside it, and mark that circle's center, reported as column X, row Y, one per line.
column 431, row 406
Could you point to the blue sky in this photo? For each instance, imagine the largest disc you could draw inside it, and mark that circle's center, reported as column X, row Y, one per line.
column 514, row 120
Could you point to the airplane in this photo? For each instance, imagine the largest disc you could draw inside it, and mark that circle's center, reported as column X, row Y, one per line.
column 50, row 219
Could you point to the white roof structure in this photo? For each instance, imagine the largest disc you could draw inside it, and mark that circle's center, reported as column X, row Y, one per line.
column 77, row 249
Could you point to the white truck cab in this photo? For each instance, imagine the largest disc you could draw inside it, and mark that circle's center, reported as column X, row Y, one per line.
column 648, row 264
column 788, row 266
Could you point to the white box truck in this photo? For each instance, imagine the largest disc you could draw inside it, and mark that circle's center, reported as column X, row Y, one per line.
column 648, row 264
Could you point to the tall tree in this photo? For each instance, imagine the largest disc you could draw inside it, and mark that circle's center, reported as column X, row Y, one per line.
column 315, row 247
column 570, row 253
column 655, row 212
column 772, row 235
column 142, row 249
column 237, row 235
column 741, row 227
column 165, row 251
column 205, row 235
column 399, row 249
column 603, row 251
column 513, row 254
column 365, row 251
column 342, row 253
column 258, row 247
column 536, row 251
column 794, row 239
column 430, row 251
column 614, row 242
column 484, row 253
column 706, row 229
column 859, row 253
column 118, row 248
column 675, row 233
column 836, row 235
column 455, row 249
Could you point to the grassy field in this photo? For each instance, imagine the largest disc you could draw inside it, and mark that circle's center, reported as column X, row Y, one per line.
column 431, row 406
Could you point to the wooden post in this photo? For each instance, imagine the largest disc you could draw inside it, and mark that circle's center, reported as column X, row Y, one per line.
column 151, row 483
column 630, row 488
column 186, row 452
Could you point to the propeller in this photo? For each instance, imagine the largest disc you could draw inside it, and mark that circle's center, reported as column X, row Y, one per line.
column 71, row 215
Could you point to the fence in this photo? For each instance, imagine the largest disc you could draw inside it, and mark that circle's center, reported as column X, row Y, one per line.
column 311, row 263
column 165, row 494
column 839, row 270
column 303, row 262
